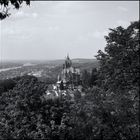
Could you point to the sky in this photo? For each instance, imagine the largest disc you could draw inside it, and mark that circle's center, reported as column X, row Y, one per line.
column 48, row 30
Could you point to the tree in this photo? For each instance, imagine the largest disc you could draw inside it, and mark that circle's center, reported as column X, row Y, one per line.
column 86, row 78
column 119, row 79
column 5, row 6
column 119, row 64
column 6, row 85
column 93, row 78
column 25, row 113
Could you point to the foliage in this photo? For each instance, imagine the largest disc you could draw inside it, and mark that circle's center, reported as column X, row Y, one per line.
column 119, row 65
column 77, row 95
column 102, row 115
column 118, row 76
column 89, row 78
column 5, row 6
column 93, row 78
column 86, row 79
column 24, row 112
column 6, row 85
column 110, row 111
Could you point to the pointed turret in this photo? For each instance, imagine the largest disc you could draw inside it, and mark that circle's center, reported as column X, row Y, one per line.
column 68, row 62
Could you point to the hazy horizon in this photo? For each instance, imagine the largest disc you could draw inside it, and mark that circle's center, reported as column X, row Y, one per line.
column 29, row 60
column 48, row 30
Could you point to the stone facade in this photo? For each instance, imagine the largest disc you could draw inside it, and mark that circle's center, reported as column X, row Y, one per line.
column 69, row 76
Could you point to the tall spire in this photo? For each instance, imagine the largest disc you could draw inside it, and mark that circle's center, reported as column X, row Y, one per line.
column 68, row 56
column 68, row 62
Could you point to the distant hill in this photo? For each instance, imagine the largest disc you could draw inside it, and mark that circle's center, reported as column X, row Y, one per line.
column 85, row 64
column 81, row 63
column 75, row 60
column 83, row 60
column 57, row 61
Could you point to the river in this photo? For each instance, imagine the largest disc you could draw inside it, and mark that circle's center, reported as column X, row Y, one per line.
column 12, row 68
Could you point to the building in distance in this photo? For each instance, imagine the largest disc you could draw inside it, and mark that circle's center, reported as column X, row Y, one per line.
column 70, row 77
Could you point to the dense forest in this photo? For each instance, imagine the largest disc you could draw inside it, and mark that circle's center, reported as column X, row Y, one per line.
column 109, row 109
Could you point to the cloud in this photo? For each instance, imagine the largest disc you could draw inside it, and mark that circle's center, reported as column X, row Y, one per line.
column 22, row 14
column 123, row 9
column 10, row 31
column 15, row 33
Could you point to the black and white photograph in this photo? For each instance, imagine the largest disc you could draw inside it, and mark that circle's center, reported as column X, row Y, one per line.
column 69, row 70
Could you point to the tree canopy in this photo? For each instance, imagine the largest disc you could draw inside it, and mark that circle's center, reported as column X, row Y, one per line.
column 119, row 64
column 5, row 6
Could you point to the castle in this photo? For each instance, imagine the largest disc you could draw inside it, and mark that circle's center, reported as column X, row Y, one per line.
column 69, row 81
column 69, row 77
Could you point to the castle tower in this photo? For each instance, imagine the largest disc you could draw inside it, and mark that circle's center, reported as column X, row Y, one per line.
column 68, row 62
column 69, row 76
